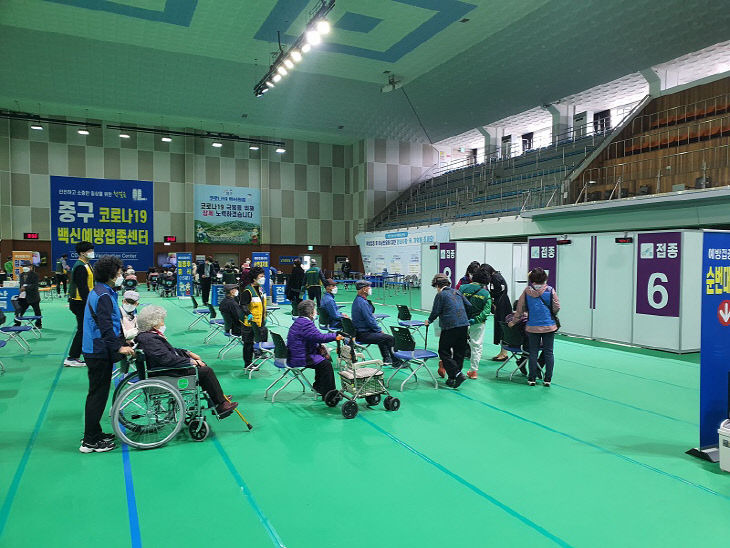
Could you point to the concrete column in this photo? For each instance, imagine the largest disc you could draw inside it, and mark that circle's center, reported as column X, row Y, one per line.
column 492, row 139
column 562, row 120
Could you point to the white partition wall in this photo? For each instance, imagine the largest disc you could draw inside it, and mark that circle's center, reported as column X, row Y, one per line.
column 429, row 267
column 574, row 285
column 614, row 288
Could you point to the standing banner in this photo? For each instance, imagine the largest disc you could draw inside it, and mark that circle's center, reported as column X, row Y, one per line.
column 7, row 293
column 262, row 259
column 658, row 273
column 447, row 261
column 115, row 216
column 543, row 253
column 715, row 335
column 279, row 294
column 20, row 258
column 184, row 274
column 227, row 215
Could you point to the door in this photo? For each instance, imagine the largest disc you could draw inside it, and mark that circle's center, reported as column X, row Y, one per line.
column 613, row 289
column 574, row 285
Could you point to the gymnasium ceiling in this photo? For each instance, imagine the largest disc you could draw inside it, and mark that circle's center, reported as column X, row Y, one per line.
column 193, row 63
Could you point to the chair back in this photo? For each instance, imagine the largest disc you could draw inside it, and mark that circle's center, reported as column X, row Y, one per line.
column 129, row 284
column 511, row 336
column 347, row 327
column 404, row 313
column 280, row 350
column 16, row 304
column 195, row 303
column 213, row 313
column 403, row 339
column 324, row 318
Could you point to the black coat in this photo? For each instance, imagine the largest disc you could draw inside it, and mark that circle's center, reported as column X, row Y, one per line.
column 295, row 283
column 160, row 354
column 232, row 314
column 30, row 281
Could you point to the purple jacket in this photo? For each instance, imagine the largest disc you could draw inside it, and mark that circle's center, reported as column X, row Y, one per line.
column 303, row 342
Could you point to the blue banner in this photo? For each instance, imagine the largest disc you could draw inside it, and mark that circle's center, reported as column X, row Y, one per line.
column 279, row 294
column 115, row 216
column 715, row 346
column 7, row 293
column 288, row 259
column 263, row 260
column 184, row 274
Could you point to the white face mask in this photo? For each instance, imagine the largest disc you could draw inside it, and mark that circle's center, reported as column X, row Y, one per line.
column 369, row 291
column 234, row 294
column 26, row 269
column 129, row 307
column 90, row 254
column 119, row 281
column 162, row 329
column 334, row 290
column 260, row 280
column 536, row 286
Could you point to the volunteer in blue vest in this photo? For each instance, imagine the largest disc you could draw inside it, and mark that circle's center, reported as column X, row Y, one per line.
column 103, row 345
column 82, row 282
column 253, row 310
column 330, row 306
column 541, row 303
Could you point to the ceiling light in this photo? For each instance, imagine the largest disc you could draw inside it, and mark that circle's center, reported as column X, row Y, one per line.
column 281, row 150
column 296, row 56
column 313, row 38
column 264, row 90
column 124, row 136
column 217, row 145
column 282, row 71
column 83, row 132
column 306, row 48
column 166, row 140
column 269, row 84
column 37, row 127
column 288, row 63
column 276, row 77
column 323, row 27
column 253, row 147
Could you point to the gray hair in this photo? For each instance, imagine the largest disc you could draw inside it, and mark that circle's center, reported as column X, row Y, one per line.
column 150, row 316
column 306, row 308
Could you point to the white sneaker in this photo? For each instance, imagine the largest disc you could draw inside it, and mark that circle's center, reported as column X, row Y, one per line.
column 68, row 362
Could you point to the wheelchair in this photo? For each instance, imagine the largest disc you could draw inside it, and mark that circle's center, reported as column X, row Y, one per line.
column 129, row 284
column 167, row 286
column 149, row 411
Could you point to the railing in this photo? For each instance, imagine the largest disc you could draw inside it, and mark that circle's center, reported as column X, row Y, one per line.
column 682, row 113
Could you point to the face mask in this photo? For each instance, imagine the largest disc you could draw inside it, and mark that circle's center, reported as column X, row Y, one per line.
column 119, row 281
column 129, row 307
column 261, row 280
column 26, row 269
column 334, row 291
column 162, row 329
column 234, row 294
column 369, row 291
column 90, row 254
column 536, row 286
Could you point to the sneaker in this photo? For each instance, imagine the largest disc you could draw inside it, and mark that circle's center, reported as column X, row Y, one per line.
column 546, row 383
column 108, row 437
column 225, row 409
column 460, row 378
column 100, row 446
column 69, row 362
column 472, row 374
column 441, row 371
column 531, row 383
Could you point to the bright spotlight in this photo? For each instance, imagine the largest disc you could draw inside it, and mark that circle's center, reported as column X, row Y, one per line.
column 276, row 77
column 282, row 71
column 124, row 136
column 306, row 48
column 281, row 150
column 83, row 132
column 166, row 140
column 296, row 56
column 323, row 26
column 288, row 64
column 253, row 147
column 269, row 84
column 37, row 127
column 217, row 145
column 313, row 38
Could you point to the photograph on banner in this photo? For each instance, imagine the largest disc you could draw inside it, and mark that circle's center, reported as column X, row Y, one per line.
column 543, row 253
column 184, row 274
column 227, row 215
column 114, row 215
column 397, row 252
column 658, row 273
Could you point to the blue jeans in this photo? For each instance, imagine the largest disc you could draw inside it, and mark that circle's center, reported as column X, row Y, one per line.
column 547, row 339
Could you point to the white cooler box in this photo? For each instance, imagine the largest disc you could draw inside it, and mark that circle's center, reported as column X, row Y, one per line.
column 724, row 432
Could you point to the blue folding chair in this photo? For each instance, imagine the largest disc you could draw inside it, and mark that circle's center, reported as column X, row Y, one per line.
column 2, row 366
column 281, row 361
column 201, row 313
column 513, row 342
column 24, row 319
column 14, row 333
column 216, row 325
column 406, row 320
column 349, row 329
column 405, row 350
column 271, row 314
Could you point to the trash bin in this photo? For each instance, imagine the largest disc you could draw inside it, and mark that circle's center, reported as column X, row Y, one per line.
column 724, row 432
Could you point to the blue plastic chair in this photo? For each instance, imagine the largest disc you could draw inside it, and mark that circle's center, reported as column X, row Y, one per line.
column 201, row 313
column 29, row 321
column 405, row 350
column 406, row 320
column 281, row 361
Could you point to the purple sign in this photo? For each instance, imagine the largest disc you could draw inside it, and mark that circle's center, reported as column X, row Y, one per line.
column 447, row 260
column 543, row 253
column 658, row 274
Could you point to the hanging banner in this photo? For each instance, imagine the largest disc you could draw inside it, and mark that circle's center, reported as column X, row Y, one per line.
column 447, row 260
column 115, row 216
column 227, row 215
column 288, row 259
column 263, row 260
column 543, row 253
column 715, row 335
column 658, row 273
column 184, row 274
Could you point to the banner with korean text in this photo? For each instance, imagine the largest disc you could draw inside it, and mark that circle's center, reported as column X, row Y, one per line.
column 543, row 253
column 114, row 215
column 658, row 273
column 227, row 215
column 184, row 274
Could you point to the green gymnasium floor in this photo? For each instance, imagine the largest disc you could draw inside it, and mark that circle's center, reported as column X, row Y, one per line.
column 595, row 460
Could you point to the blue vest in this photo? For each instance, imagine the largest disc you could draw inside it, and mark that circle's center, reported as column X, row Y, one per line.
column 93, row 343
column 539, row 312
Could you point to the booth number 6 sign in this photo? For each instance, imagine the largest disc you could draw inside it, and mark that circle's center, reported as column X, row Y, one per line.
column 658, row 272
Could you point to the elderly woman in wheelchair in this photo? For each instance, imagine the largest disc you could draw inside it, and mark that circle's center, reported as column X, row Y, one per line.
column 152, row 404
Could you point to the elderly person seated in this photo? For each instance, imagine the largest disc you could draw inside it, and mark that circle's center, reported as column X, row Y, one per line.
column 160, row 354
column 130, row 301
column 304, row 343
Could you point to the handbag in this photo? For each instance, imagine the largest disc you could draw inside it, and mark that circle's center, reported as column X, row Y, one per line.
column 550, row 309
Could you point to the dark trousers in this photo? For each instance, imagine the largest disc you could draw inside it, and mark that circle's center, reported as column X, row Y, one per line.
column 3, row 277
column 384, row 341
column 100, row 378
column 295, row 300
column 324, row 376
column 61, row 279
column 547, row 340
column 23, row 304
column 207, row 378
column 452, row 348
column 247, row 335
column 77, row 307
column 314, row 293
column 205, row 288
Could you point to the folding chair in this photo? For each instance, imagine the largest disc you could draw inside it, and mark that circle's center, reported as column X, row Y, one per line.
column 349, row 329
column 281, row 361
column 405, row 350
column 2, row 366
column 512, row 343
column 263, row 351
column 216, row 325
column 324, row 320
column 201, row 313
column 406, row 320
column 28, row 320
column 271, row 314
column 15, row 333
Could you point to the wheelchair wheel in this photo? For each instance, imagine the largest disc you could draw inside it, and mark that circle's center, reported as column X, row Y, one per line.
column 373, row 399
column 391, row 403
column 332, row 398
column 199, row 429
column 124, row 383
column 349, row 409
column 148, row 414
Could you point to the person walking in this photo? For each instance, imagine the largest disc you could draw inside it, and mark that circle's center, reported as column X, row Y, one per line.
column 295, row 286
column 481, row 302
column 501, row 307
column 207, row 274
column 61, row 272
column 29, row 294
column 450, row 307
column 81, row 283
column 103, row 345
column 541, row 303
column 314, row 280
